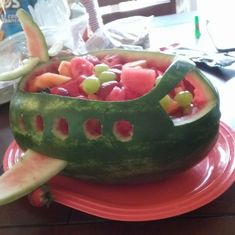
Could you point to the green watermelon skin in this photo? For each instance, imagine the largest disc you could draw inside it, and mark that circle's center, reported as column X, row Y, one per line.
column 159, row 148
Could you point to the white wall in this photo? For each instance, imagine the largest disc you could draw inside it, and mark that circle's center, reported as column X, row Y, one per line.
column 219, row 10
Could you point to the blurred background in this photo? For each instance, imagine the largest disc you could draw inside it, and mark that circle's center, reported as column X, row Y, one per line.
column 101, row 8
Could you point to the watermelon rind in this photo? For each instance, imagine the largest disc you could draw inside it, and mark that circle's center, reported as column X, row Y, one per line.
column 22, row 70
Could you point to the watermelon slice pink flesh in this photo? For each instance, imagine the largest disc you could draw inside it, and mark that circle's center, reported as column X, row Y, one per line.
column 32, row 171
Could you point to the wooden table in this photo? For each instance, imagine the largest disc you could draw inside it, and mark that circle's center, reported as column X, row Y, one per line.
column 215, row 218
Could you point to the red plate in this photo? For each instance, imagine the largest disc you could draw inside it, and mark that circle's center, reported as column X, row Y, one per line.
column 183, row 193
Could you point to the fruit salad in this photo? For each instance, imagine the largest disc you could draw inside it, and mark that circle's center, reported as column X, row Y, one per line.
column 113, row 78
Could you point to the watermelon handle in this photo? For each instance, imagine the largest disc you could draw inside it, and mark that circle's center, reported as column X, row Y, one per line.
column 173, row 75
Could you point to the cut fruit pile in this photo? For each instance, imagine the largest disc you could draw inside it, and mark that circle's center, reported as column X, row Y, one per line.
column 112, row 78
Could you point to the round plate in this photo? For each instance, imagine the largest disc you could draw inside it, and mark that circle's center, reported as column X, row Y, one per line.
column 183, row 193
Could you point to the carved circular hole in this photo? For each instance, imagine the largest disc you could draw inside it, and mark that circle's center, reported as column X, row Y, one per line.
column 61, row 128
column 92, row 128
column 39, row 123
column 123, row 130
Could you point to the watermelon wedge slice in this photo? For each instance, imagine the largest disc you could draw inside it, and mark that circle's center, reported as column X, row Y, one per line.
column 32, row 171
column 36, row 42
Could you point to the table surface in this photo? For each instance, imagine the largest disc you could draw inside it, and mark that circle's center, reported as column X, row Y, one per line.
column 216, row 218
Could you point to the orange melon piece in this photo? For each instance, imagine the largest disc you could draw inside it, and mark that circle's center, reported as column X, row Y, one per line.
column 47, row 80
column 64, row 68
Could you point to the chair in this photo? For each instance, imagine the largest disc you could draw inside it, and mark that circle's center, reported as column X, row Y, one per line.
column 115, row 9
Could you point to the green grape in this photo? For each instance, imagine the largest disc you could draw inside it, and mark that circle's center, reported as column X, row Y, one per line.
column 107, row 76
column 99, row 68
column 184, row 98
column 91, row 85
